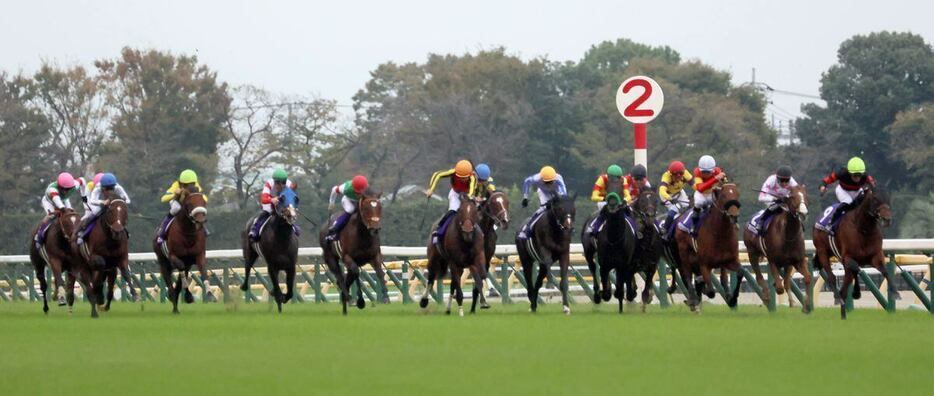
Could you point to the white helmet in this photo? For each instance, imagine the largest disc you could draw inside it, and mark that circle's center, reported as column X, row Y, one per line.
column 707, row 163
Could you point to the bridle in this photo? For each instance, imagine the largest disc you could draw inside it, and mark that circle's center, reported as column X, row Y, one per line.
column 502, row 215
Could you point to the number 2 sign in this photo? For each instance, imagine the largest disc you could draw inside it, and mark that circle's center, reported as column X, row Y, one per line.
column 639, row 99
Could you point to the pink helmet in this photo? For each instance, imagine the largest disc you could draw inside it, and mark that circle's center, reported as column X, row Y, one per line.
column 65, row 180
column 97, row 177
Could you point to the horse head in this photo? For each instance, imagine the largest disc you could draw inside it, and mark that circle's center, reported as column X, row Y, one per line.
column 115, row 217
column 287, row 208
column 563, row 211
column 370, row 210
column 614, row 195
column 727, row 199
column 496, row 207
column 68, row 222
column 647, row 203
column 878, row 205
column 195, row 206
column 797, row 200
column 467, row 217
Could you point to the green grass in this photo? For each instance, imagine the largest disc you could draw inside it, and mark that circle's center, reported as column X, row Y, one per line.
column 310, row 348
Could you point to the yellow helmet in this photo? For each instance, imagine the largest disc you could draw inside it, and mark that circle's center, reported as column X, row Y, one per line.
column 548, row 173
column 188, row 176
column 463, row 168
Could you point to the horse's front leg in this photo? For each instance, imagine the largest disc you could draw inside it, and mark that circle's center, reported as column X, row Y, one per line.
column 878, row 262
column 760, row 280
column 276, row 290
column 111, row 283
column 127, row 274
column 709, row 291
column 206, row 294
column 379, row 269
column 353, row 276
column 564, row 262
column 803, row 269
column 478, row 271
column 456, row 293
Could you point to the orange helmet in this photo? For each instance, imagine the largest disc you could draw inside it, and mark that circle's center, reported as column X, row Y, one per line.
column 548, row 173
column 463, row 168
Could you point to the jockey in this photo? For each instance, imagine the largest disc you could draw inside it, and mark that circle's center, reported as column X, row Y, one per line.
column 635, row 181
column 185, row 180
column 270, row 196
column 775, row 188
column 350, row 192
column 462, row 181
column 484, row 186
column 671, row 190
column 549, row 184
column 851, row 179
column 57, row 193
column 95, row 182
column 599, row 193
column 106, row 184
column 706, row 175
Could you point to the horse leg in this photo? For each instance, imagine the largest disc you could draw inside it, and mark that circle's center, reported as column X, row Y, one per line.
column 111, row 279
column 620, row 284
column 456, row 293
column 802, row 267
column 563, row 264
column 379, row 269
column 249, row 259
column 647, row 289
column 630, row 284
column 687, row 277
column 853, row 266
column 43, row 285
column 276, row 290
column 527, row 264
column 822, row 263
column 708, row 281
column 725, row 282
column 206, row 294
column 70, row 291
column 543, row 270
column 847, row 278
column 763, row 287
column 776, row 276
column 178, row 291
column 878, row 262
column 89, row 280
column 789, row 272
column 289, row 283
column 592, row 266
column 166, row 270
column 59, row 285
column 353, row 275
column 127, row 275
column 339, row 277
column 479, row 275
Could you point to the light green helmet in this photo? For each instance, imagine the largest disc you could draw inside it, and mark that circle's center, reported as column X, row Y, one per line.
column 614, row 170
column 280, row 175
column 856, row 165
column 188, row 176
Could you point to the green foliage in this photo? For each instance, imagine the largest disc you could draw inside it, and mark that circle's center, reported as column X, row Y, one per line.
column 918, row 220
column 912, row 136
column 23, row 132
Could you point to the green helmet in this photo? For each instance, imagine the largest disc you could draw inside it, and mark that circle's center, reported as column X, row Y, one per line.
column 856, row 165
column 614, row 170
column 280, row 175
column 188, row 176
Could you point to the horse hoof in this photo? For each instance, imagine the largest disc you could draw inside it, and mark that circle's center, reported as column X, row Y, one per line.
column 423, row 303
column 361, row 303
column 61, row 301
column 857, row 294
column 244, row 286
column 45, row 309
column 484, row 306
column 175, row 311
column 643, row 308
column 385, row 300
column 567, row 310
column 447, row 311
column 188, row 297
column 460, row 311
column 779, row 290
column 805, row 310
column 209, row 297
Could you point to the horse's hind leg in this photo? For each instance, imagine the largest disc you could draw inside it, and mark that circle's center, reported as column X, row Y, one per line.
column 620, row 285
column 786, row 277
column 353, row 276
column 456, row 292
column 70, row 291
column 802, row 267
column 111, row 279
column 379, row 269
column 479, row 274
column 39, row 267
column 760, row 280
column 276, row 290
column 289, row 283
column 248, row 261
column 647, row 288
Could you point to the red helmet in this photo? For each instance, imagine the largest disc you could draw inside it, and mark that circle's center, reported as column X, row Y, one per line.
column 359, row 184
column 676, row 167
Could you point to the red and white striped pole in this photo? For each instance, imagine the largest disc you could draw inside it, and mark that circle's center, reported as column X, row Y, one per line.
column 640, row 145
column 639, row 99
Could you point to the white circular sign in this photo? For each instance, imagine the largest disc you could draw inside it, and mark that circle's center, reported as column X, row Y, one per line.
column 639, row 99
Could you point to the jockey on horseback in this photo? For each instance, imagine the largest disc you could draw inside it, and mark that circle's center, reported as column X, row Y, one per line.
column 350, row 192
column 56, row 198
column 599, row 194
column 671, row 191
column 635, row 181
column 549, row 184
column 775, row 188
column 462, row 181
column 852, row 178
column 484, row 186
column 270, row 197
column 185, row 180
column 706, row 175
column 106, row 184
column 96, row 182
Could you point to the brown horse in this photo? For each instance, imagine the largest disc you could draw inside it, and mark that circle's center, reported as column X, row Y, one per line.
column 783, row 247
column 715, row 246
column 57, row 253
column 494, row 214
column 858, row 242
column 550, row 241
column 184, row 246
column 462, row 247
column 278, row 245
column 105, row 250
column 356, row 245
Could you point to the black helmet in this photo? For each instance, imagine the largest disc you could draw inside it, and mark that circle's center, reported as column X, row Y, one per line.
column 783, row 172
column 638, row 172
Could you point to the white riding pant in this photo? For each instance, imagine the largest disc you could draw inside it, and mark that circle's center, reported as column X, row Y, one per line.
column 349, row 205
column 93, row 210
column 703, row 200
column 677, row 202
column 49, row 207
column 174, row 207
column 454, row 200
column 845, row 196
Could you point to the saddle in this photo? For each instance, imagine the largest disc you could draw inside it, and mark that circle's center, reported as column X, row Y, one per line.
column 830, row 219
column 761, row 218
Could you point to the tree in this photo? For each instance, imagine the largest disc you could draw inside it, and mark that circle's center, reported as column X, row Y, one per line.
column 75, row 105
column 313, row 141
column 876, row 77
column 23, row 131
column 170, row 115
column 912, row 134
column 250, row 137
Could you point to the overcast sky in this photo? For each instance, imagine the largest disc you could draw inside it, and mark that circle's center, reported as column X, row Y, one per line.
column 328, row 48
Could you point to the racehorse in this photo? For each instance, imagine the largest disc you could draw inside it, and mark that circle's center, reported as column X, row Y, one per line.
column 57, row 253
column 857, row 242
column 549, row 241
column 648, row 248
column 278, row 244
column 494, row 214
column 462, row 246
column 613, row 245
column 105, row 250
column 184, row 246
column 714, row 247
column 356, row 245
column 782, row 246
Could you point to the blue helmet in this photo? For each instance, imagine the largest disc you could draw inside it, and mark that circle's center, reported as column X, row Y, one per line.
column 108, row 180
column 483, row 171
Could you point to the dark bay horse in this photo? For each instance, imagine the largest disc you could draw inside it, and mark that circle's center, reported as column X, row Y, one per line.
column 105, row 250
column 782, row 246
column 494, row 214
column 356, row 245
column 857, row 242
column 549, row 241
column 648, row 248
column 462, row 247
column 278, row 245
column 56, row 253
column 613, row 245
column 715, row 246
column 184, row 246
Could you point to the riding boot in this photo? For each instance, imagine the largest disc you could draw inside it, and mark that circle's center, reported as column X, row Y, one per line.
column 596, row 224
column 695, row 217
column 162, row 228
column 80, row 231
column 337, row 226
column 632, row 221
column 257, row 223
column 669, row 222
column 760, row 225
column 439, row 230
